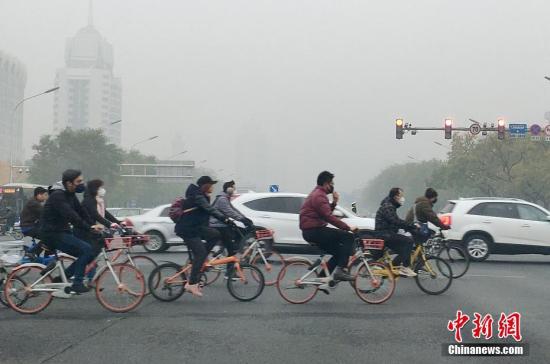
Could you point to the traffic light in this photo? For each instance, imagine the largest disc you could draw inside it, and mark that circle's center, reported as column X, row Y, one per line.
column 501, row 128
column 399, row 129
column 448, row 128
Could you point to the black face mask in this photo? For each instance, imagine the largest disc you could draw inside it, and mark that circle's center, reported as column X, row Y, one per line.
column 434, row 201
column 80, row 188
column 330, row 189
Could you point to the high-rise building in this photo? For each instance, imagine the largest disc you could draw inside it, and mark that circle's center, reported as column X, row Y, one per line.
column 13, row 78
column 90, row 96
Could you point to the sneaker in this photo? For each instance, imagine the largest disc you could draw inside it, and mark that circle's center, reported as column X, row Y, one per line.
column 79, row 288
column 340, row 274
column 406, row 271
column 194, row 289
column 324, row 288
column 90, row 284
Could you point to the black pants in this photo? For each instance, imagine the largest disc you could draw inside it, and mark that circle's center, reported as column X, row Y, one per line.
column 338, row 243
column 193, row 238
column 401, row 245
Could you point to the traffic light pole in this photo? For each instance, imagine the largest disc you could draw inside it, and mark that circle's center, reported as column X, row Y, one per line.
column 476, row 128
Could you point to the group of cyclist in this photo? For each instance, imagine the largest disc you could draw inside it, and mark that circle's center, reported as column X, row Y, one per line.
column 66, row 224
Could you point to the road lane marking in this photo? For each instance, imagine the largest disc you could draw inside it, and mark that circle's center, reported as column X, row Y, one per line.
column 493, row 276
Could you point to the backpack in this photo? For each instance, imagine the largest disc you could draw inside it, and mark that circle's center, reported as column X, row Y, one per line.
column 177, row 209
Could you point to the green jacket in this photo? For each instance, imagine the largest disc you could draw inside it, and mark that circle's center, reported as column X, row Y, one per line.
column 424, row 213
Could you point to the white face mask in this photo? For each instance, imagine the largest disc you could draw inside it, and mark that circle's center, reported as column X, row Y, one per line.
column 402, row 201
column 101, row 192
column 230, row 191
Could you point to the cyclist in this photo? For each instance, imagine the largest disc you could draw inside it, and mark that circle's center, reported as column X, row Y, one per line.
column 228, row 236
column 94, row 204
column 315, row 215
column 192, row 227
column 423, row 211
column 61, row 209
column 387, row 226
column 30, row 215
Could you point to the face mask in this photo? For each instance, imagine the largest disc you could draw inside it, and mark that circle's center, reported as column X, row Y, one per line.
column 101, row 192
column 330, row 189
column 230, row 191
column 402, row 201
column 434, row 201
column 80, row 188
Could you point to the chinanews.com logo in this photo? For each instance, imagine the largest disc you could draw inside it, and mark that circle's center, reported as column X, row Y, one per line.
column 508, row 328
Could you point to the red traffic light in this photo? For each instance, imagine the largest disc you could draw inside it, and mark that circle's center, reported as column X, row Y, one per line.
column 501, row 128
column 448, row 128
column 399, row 129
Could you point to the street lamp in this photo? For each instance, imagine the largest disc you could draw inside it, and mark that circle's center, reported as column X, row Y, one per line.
column 413, row 158
column 175, row 155
column 144, row 140
column 547, row 78
column 12, row 137
column 116, row 122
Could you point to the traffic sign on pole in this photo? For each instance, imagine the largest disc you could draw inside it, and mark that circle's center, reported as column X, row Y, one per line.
column 547, row 130
column 274, row 188
column 517, row 130
column 475, row 129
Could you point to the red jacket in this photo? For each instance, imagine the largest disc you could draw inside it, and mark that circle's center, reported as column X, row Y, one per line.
column 317, row 212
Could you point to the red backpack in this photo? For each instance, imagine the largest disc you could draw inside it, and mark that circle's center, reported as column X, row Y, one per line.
column 177, row 209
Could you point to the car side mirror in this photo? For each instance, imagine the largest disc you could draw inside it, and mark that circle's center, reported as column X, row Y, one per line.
column 338, row 213
column 548, row 218
column 354, row 208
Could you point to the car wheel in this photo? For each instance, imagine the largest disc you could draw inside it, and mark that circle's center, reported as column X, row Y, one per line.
column 156, row 243
column 478, row 247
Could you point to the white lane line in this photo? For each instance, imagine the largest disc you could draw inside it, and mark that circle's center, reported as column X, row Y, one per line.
column 493, row 276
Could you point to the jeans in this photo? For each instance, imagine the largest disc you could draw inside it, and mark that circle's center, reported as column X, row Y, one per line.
column 193, row 238
column 338, row 243
column 70, row 244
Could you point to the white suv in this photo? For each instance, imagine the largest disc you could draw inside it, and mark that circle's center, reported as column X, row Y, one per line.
column 498, row 226
column 280, row 212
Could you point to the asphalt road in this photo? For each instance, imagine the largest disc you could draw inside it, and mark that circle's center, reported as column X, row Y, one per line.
column 339, row 328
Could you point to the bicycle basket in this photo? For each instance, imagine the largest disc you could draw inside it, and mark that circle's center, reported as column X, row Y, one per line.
column 11, row 253
column 373, row 244
column 118, row 242
column 264, row 234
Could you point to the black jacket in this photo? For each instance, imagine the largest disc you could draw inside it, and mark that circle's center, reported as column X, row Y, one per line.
column 30, row 215
column 62, row 208
column 387, row 220
column 195, row 198
column 90, row 205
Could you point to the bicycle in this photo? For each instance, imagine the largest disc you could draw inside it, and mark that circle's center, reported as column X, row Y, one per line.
column 14, row 232
column 254, row 244
column 10, row 256
column 119, row 287
column 167, row 281
column 429, row 269
column 300, row 280
column 452, row 253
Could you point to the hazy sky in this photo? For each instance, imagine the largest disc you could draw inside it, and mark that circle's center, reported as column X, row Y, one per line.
column 316, row 84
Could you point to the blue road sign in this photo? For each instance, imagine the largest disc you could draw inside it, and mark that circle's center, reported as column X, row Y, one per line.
column 274, row 188
column 517, row 130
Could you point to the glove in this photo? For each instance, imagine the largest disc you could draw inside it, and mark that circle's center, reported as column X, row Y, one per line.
column 247, row 222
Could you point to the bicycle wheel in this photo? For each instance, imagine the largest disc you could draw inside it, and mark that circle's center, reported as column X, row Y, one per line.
column 145, row 265
column 124, row 295
column 289, row 282
column 434, row 275
column 161, row 288
column 19, row 294
column 457, row 258
column 17, row 235
column 270, row 267
column 246, row 285
column 375, row 286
